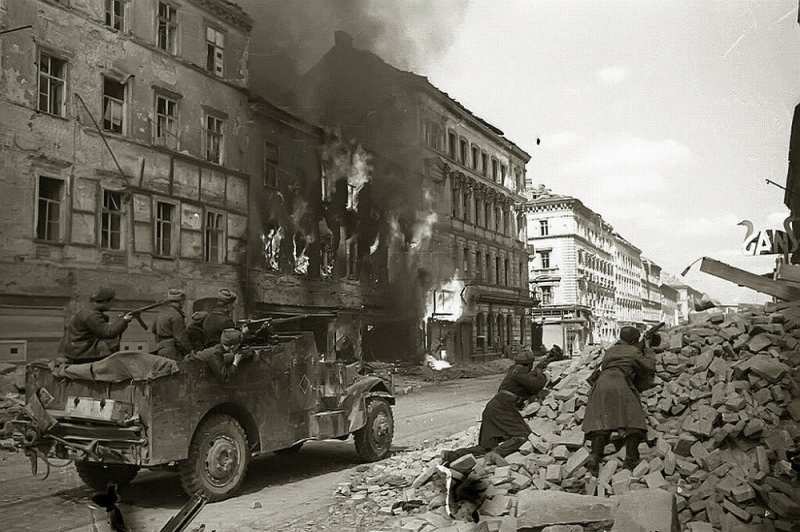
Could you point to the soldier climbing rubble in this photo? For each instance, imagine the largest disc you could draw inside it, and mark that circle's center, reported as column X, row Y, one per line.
column 614, row 403
column 503, row 429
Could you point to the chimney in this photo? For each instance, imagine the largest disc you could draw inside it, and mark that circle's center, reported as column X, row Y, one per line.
column 343, row 39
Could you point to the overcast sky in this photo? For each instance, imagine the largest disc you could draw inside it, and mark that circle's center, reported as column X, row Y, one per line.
column 664, row 117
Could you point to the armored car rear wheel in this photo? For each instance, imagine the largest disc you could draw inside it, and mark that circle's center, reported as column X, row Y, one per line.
column 218, row 458
column 374, row 440
column 98, row 475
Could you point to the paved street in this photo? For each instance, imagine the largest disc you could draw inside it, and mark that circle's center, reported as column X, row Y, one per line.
column 287, row 487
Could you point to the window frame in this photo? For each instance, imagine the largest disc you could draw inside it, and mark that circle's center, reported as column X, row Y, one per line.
column 170, row 23
column 174, row 234
column 217, row 70
column 62, row 111
column 271, row 165
column 544, row 258
column 221, row 233
column 123, row 16
column 207, row 137
column 123, row 105
column 544, row 227
column 62, row 215
column 452, row 148
column 547, row 295
column 164, row 141
column 475, row 154
column 103, row 211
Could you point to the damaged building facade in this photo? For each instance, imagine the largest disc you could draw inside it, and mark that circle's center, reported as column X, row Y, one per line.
column 438, row 207
column 135, row 158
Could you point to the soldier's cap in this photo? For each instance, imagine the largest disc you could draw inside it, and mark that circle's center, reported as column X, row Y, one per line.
column 524, row 357
column 226, row 296
column 176, row 294
column 230, row 337
column 629, row 335
column 103, row 294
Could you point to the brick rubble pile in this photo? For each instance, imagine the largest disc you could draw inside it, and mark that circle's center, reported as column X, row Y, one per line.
column 723, row 414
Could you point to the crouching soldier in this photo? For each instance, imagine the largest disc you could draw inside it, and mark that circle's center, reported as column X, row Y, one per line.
column 172, row 341
column 220, row 317
column 503, row 429
column 90, row 336
column 614, row 403
column 223, row 358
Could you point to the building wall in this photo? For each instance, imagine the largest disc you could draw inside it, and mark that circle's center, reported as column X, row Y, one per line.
column 628, row 297
column 651, row 292
column 46, row 278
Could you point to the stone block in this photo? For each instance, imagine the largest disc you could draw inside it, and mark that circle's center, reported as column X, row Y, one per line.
column 496, row 506
column 539, row 509
column 572, row 439
column 646, row 510
column 743, row 493
column 464, row 464
column 763, row 396
column 738, row 512
column 794, row 409
column 753, row 427
column 699, row 526
column 560, row 452
column 553, row 473
column 759, row 342
column 655, row 479
column 767, row 367
column 575, row 461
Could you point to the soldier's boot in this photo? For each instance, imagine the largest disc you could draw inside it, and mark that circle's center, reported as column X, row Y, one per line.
column 599, row 441
column 632, row 458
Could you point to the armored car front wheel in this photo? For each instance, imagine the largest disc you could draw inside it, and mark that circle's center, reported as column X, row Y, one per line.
column 218, row 458
column 374, row 440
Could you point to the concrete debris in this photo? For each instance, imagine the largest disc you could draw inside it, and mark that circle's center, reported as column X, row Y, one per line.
column 724, row 418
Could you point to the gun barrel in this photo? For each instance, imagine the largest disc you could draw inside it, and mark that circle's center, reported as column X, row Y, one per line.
column 148, row 307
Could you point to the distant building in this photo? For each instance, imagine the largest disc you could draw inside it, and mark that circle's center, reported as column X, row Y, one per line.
column 651, row 292
column 686, row 299
column 669, row 305
column 628, row 280
column 571, row 269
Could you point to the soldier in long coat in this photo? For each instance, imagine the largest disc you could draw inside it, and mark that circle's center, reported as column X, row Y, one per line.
column 90, row 335
column 503, row 429
column 172, row 341
column 614, row 403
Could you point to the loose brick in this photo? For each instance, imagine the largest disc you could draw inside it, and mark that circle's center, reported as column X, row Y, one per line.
column 740, row 513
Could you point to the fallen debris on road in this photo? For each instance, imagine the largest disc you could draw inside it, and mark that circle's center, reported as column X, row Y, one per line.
column 724, row 418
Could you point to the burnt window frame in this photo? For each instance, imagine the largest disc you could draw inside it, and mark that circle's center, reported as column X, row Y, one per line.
column 271, row 164
column 158, row 228
column 122, row 102
column 107, row 215
column 211, row 66
column 219, row 232
column 210, row 135
column 171, row 26
column 111, row 18
column 165, row 141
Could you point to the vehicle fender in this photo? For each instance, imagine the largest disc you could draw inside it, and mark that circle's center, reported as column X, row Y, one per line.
column 354, row 402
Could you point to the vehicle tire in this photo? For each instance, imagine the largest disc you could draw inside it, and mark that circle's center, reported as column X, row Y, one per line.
column 218, row 458
column 294, row 449
column 374, row 439
column 98, row 475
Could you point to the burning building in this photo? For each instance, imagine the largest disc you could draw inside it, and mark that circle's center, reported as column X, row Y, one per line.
column 439, row 207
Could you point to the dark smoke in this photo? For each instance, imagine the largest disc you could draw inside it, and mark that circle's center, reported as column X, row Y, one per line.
column 289, row 36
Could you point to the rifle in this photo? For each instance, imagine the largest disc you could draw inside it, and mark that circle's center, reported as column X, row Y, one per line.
column 651, row 338
column 186, row 515
column 137, row 312
column 266, row 323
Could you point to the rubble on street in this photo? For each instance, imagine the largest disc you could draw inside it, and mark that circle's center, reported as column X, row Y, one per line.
column 724, row 418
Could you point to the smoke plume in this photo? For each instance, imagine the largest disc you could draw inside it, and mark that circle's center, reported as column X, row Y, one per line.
column 289, row 36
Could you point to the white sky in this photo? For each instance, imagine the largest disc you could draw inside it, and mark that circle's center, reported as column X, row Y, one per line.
column 665, row 117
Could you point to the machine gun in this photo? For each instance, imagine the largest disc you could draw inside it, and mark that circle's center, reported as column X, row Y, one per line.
column 253, row 329
column 651, row 338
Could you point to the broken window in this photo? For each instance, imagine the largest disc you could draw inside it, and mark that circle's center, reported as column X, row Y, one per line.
column 465, row 259
column 270, row 165
column 167, row 33
column 484, row 163
column 213, row 246
column 52, row 82
column 478, row 265
column 475, row 157
column 455, row 200
column 115, row 14
column 113, row 105
column 522, row 330
column 166, row 122
column 111, row 221
column 48, row 216
column 165, row 221
column 494, row 169
column 215, row 51
column 476, row 211
column 480, row 330
column 497, row 270
column 465, row 205
column 214, row 139
column 498, row 218
column 505, row 272
column 503, row 174
column 463, row 152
